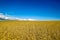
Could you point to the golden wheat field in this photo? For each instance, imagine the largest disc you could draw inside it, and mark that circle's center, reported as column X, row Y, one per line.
column 29, row 30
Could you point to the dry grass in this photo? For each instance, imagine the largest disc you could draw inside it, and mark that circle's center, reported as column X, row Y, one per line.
column 29, row 30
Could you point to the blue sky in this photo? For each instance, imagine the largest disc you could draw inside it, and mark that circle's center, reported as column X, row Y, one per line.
column 35, row 9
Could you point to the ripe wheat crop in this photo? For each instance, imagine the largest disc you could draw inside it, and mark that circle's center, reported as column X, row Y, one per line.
column 29, row 30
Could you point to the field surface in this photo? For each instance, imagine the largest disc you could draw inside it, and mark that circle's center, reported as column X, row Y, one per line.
column 29, row 30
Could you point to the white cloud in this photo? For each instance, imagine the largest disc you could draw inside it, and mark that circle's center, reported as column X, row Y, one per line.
column 1, row 15
column 29, row 19
column 12, row 18
column 5, row 16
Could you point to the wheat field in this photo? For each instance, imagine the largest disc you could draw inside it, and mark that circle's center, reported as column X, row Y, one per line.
column 29, row 30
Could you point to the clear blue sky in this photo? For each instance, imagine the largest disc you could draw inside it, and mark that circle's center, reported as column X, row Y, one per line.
column 37, row 9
